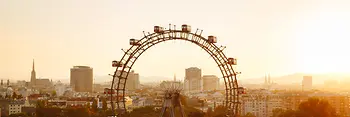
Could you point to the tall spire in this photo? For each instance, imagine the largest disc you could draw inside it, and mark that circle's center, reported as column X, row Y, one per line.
column 33, row 69
column 175, row 77
column 33, row 75
column 269, row 79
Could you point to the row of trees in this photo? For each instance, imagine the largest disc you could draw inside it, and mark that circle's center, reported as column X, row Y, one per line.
column 13, row 96
column 89, row 110
column 313, row 107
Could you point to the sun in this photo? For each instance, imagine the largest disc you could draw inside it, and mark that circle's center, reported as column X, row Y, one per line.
column 323, row 44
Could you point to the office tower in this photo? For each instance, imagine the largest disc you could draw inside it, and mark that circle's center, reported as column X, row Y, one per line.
column 81, row 78
column 307, row 83
column 210, row 82
column 193, row 79
column 133, row 80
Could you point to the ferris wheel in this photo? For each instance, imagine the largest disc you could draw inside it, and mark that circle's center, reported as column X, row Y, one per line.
column 160, row 34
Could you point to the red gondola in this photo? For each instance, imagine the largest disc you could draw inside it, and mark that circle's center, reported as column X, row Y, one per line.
column 241, row 90
column 116, row 64
column 158, row 29
column 186, row 28
column 212, row 39
column 232, row 61
column 135, row 42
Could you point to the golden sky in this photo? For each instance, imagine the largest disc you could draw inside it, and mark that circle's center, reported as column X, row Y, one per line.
column 267, row 36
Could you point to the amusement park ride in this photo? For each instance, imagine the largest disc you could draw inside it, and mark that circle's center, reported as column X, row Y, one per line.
column 172, row 100
column 138, row 46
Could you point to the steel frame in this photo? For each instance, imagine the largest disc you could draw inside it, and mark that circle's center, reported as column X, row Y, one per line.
column 134, row 52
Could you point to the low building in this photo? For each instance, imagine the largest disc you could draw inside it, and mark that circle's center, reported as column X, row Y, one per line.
column 29, row 111
column 15, row 107
column 261, row 103
column 57, row 103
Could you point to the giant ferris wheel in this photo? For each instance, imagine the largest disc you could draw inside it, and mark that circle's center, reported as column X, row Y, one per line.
column 139, row 46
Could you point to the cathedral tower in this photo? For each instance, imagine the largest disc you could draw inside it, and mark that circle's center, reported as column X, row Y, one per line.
column 33, row 76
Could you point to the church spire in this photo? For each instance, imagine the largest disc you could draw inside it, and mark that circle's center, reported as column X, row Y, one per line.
column 33, row 75
column 33, row 69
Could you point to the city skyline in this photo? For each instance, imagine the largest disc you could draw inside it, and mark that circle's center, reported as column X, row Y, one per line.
column 202, row 58
column 289, row 40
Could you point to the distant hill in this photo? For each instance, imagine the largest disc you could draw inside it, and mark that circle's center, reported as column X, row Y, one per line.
column 298, row 77
column 153, row 79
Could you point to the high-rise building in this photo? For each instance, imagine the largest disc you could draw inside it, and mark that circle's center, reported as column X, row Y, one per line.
column 193, row 79
column 307, row 83
column 210, row 82
column 133, row 80
column 268, row 82
column 81, row 78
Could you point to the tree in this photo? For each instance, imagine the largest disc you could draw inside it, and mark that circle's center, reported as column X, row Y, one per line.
column 104, row 104
column 7, row 96
column 315, row 107
column 249, row 115
column 19, row 96
column 40, row 104
column 14, row 95
column 220, row 111
column 54, row 93
column 88, row 105
column 75, row 112
column 209, row 112
column 19, row 115
column 48, row 112
column 94, row 105
column 277, row 112
column 147, row 111
column 193, row 112
column 289, row 113
column 183, row 100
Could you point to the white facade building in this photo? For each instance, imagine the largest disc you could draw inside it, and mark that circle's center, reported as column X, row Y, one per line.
column 15, row 108
column 261, row 103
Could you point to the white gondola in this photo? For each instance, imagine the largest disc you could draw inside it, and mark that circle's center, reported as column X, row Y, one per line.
column 212, row 39
column 232, row 61
column 186, row 28
column 135, row 42
column 116, row 64
column 158, row 29
column 241, row 90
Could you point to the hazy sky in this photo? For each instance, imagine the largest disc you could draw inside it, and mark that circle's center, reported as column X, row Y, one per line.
column 267, row 36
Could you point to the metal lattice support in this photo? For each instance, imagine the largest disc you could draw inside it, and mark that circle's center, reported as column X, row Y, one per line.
column 135, row 51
